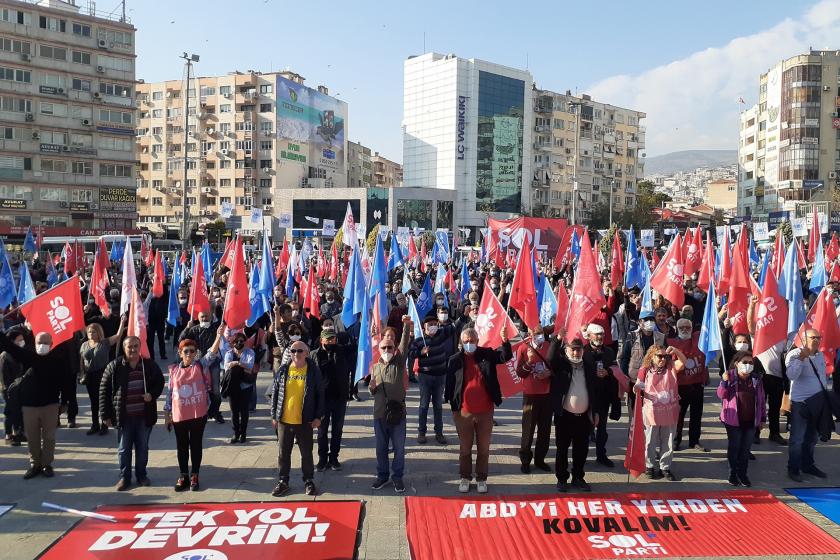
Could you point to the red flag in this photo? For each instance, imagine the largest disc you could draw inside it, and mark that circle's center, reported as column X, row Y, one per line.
column 69, row 260
column 725, row 266
column 491, row 317
column 322, row 263
column 313, row 299
column 412, row 248
column 668, row 278
column 707, row 267
column 617, row 266
column 742, row 245
column 693, row 252
column 334, row 263
column 157, row 287
column 237, row 304
column 198, row 301
column 523, row 294
column 771, row 317
column 144, row 250
column 510, row 383
column 562, row 307
column 57, row 311
column 778, row 255
column 835, row 273
column 137, row 322
column 823, row 318
column 225, row 253
column 654, row 261
column 814, row 237
column 99, row 279
column 634, row 458
column 739, row 293
column 800, row 255
column 586, row 300
column 283, row 260
column 423, row 256
column 183, row 257
column 450, row 282
column 833, row 249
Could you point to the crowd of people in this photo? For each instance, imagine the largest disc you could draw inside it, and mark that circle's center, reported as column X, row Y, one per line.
column 623, row 358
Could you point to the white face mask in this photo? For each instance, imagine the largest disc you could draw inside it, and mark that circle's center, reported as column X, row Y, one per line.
column 470, row 347
column 431, row 330
column 684, row 335
column 294, row 337
column 746, row 369
column 386, row 356
column 741, row 346
column 182, row 301
column 20, row 343
column 443, row 316
column 574, row 360
column 647, row 326
column 538, row 340
column 204, row 324
column 42, row 349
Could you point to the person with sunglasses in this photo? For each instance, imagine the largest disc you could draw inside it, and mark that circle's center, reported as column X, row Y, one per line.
column 743, row 410
column 297, row 407
column 187, row 405
column 658, row 387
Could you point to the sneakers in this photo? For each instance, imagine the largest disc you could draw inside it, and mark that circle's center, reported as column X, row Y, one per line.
column 123, row 485
column 481, row 486
column 440, row 439
column 669, row 475
column 745, row 481
column 653, row 474
column 813, row 470
column 580, row 484
column 31, row 472
column 194, row 482
column 182, row 483
column 335, row 465
column 234, row 439
column 321, row 466
column 309, row 488
column 399, row 486
column 734, row 480
column 281, row 489
column 71, row 423
column 421, row 439
column 48, row 471
column 242, row 438
column 776, row 438
column 543, row 466
column 698, row 447
column 464, row 485
column 380, row 483
column 605, row 461
column 794, row 475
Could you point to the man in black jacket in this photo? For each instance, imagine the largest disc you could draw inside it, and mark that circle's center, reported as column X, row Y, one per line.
column 43, row 386
column 576, row 392
column 158, row 309
column 337, row 364
column 130, row 386
column 432, row 350
column 604, row 358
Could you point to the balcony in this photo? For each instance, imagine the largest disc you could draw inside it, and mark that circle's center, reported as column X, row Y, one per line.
column 542, row 108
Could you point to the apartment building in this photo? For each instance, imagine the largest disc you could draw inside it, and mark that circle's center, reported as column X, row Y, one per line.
column 67, row 84
column 359, row 165
column 386, row 173
column 789, row 142
column 600, row 145
column 251, row 139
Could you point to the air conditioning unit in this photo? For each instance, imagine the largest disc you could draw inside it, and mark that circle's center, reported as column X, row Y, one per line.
column 65, row 148
column 268, row 133
column 208, row 212
column 206, row 190
column 97, row 95
column 224, row 152
column 62, row 204
column 201, row 114
column 100, row 69
column 60, row 91
column 29, row 117
column 268, row 207
column 832, row 174
column 826, row 88
column 103, row 44
column 227, row 96
column 211, row 131
column 26, row 57
column 247, row 152
column 94, row 206
column 36, row 135
column 86, row 122
column 266, row 170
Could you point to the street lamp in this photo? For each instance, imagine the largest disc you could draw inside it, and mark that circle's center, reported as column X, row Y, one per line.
column 577, row 105
column 185, row 225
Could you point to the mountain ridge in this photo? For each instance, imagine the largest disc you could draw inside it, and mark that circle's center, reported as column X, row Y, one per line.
column 688, row 160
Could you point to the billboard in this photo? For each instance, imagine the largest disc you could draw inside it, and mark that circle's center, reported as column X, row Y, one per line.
column 774, row 129
column 314, row 123
column 505, row 157
column 544, row 234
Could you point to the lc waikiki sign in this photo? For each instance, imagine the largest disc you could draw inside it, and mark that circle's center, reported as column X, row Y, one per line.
column 462, row 125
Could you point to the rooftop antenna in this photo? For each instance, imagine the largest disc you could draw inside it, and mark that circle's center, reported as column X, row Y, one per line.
column 526, row 61
column 424, row 42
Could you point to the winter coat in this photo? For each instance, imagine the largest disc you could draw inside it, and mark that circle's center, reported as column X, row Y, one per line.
column 487, row 360
column 313, row 393
column 114, row 387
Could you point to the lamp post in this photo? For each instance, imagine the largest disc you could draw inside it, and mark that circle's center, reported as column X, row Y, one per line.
column 577, row 106
column 185, row 225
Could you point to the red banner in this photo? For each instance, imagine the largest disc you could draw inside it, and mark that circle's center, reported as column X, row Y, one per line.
column 310, row 530
column 734, row 523
column 545, row 233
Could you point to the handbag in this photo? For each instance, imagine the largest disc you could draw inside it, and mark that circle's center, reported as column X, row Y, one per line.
column 785, row 406
column 394, row 410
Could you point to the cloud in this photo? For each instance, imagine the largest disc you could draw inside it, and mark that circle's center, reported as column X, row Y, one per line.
column 692, row 103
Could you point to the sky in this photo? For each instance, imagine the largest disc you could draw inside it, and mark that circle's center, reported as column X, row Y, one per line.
column 684, row 66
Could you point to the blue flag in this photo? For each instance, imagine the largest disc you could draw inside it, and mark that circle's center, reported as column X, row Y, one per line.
column 764, row 266
column 365, row 351
column 548, row 304
column 395, row 259
column 26, row 290
column 207, row 262
column 633, row 276
column 52, row 274
column 754, row 258
column 354, row 291
column 818, row 276
column 466, row 285
column 415, row 319
column 378, row 279
column 646, row 309
column 8, row 293
column 790, row 286
column 29, row 243
column 440, row 252
column 173, row 312
column 407, row 286
column 575, row 244
column 266, row 275
column 710, row 340
column 255, row 298
column 426, row 300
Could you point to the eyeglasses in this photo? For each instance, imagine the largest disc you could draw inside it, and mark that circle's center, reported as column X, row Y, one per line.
column 386, row 347
column 662, row 356
column 188, row 351
column 296, row 350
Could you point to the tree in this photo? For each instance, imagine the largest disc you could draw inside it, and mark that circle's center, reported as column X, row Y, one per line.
column 371, row 239
column 785, row 229
column 600, row 216
column 642, row 216
column 606, row 243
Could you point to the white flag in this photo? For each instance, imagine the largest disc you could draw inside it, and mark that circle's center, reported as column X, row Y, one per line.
column 349, row 228
column 129, row 278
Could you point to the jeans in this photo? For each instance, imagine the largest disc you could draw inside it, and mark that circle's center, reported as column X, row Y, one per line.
column 395, row 435
column 286, row 436
column 537, row 412
column 133, row 434
column 571, row 429
column 239, row 410
column 431, row 387
column 663, row 438
column 691, row 396
column 738, row 446
column 329, row 447
column 189, row 435
column 803, row 438
column 474, row 429
column 774, row 388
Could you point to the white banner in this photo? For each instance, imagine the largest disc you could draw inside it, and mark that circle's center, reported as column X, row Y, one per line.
column 809, row 221
column 286, row 221
column 384, row 231
column 760, row 231
column 315, row 221
column 646, row 237
column 227, row 210
column 329, row 228
column 402, row 234
column 360, row 230
column 418, row 231
column 720, row 232
column 256, row 216
column 800, row 227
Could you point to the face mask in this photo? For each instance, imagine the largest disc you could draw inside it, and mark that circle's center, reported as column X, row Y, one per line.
column 648, row 326
column 204, row 324
column 473, row 317
column 386, row 356
column 431, row 330
column 745, row 368
column 320, row 292
column 439, row 302
column 443, row 316
column 684, row 335
column 573, row 360
column 470, row 347
column 182, row 301
column 494, row 287
column 330, row 299
column 20, row 343
column 687, row 315
column 42, row 349
column 538, row 340
column 741, row 346
column 294, row 337
column 595, row 343
column 698, row 296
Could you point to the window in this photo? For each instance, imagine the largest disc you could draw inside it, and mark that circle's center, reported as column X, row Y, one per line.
column 265, row 107
column 14, row 75
column 157, row 148
column 15, row 192
column 52, row 80
column 82, row 167
column 15, row 162
column 265, row 126
column 81, row 195
column 8, row 133
column 114, row 170
column 53, row 24
column 116, row 63
column 224, row 90
column 157, row 201
column 54, row 165
column 224, row 108
column 15, row 16
column 224, row 182
column 15, row 46
column 55, row 53
column 265, row 144
column 53, row 137
column 224, row 164
column 81, row 57
column 265, row 164
column 110, row 115
column 157, row 166
column 224, row 128
column 224, row 145
column 119, row 38
column 79, row 112
column 224, row 200
column 115, row 143
column 244, row 145
column 56, row 109
column 157, row 95
column 81, row 29
column 157, row 184
column 265, row 183
column 628, row 201
column 51, row 194
column 115, row 89
column 80, row 84
column 54, row 221
column 204, row 91
column 157, row 113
